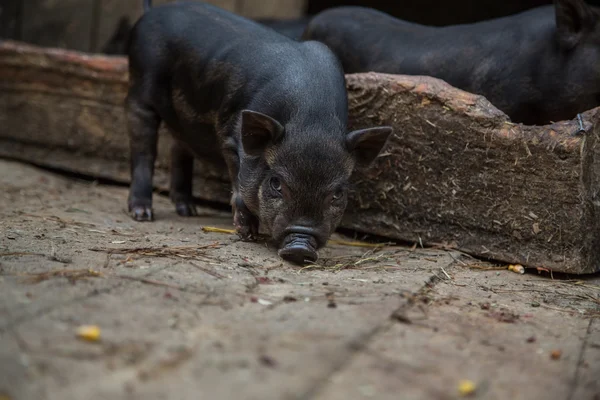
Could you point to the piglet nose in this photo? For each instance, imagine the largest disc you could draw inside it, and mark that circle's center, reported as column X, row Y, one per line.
column 299, row 244
column 317, row 235
column 301, row 230
column 298, row 253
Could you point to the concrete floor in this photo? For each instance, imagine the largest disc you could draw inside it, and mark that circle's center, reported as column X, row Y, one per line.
column 200, row 315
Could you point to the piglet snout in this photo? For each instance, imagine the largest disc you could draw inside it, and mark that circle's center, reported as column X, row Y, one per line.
column 299, row 245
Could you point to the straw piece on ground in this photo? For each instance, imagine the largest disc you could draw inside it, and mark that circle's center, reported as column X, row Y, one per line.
column 217, row 230
column 174, row 251
column 71, row 274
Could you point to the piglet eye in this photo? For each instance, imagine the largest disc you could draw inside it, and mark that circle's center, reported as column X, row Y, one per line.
column 275, row 184
column 338, row 195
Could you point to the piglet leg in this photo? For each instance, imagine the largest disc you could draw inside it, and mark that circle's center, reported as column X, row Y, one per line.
column 182, row 169
column 246, row 224
column 142, row 124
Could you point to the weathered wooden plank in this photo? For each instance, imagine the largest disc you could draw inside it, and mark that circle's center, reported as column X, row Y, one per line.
column 457, row 171
column 77, row 121
column 65, row 23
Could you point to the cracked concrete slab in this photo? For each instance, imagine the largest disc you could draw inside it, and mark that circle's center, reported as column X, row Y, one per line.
column 498, row 330
column 191, row 314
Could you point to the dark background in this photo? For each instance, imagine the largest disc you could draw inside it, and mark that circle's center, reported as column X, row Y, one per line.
column 76, row 24
column 440, row 12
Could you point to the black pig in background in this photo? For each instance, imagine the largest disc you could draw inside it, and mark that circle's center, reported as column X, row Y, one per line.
column 537, row 66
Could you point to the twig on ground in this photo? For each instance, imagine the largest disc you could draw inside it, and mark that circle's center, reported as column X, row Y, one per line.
column 217, row 230
column 350, row 263
column 358, row 244
column 176, row 251
column 445, row 273
column 20, row 253
column 52, row 257
column 150, row 282
column 208, row 271
column 575, row 283
column 484, row 268
column 457, row 260
column 71, row 274
column 61, row 221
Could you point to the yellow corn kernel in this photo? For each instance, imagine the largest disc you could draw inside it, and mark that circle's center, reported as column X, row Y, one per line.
column 89, row 332
column 517, row 268
column 466, row 387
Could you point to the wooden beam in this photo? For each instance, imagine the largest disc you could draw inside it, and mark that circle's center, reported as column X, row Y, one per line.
column 457, row 173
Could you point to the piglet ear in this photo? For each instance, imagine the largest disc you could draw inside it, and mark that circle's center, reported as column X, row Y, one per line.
column 365, row 144
column 258, row 132
column 573, row 19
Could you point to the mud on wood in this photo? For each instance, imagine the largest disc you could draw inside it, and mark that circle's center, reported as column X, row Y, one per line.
column 456, row 173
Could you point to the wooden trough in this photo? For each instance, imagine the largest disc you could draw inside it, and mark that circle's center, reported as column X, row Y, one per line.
column 457, row 173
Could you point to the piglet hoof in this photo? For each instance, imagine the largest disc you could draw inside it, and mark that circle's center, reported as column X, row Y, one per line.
column 246, row 235
column 246, row 226
column 141, row 213
column 186, row 209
